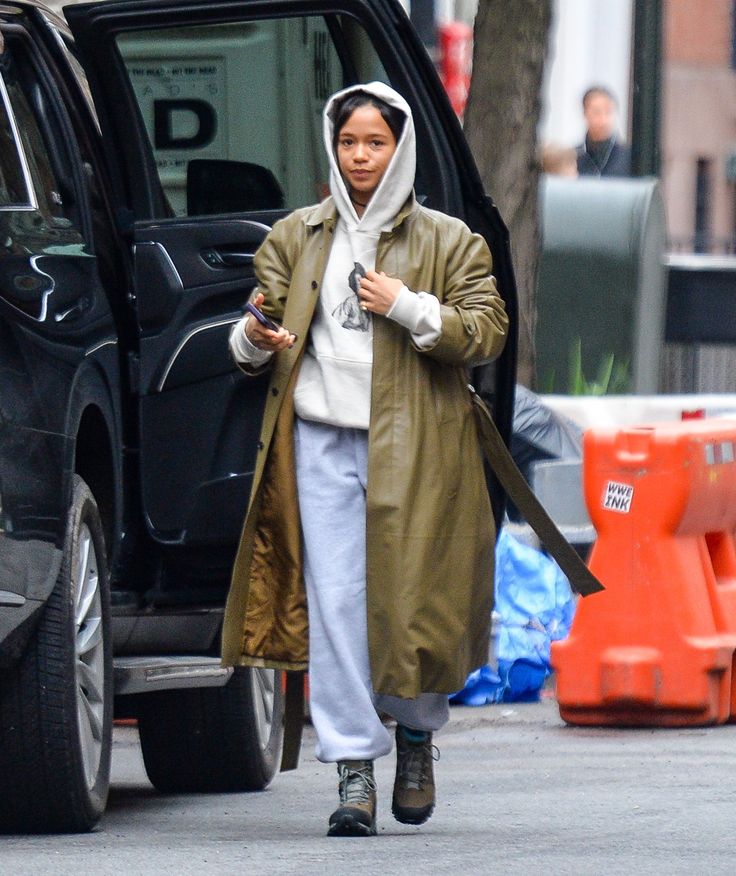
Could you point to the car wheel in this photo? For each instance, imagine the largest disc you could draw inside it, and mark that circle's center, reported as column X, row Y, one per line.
column 56, row 703
column 214, row 739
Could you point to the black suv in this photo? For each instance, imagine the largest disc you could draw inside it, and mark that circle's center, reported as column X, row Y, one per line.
column 143, row 160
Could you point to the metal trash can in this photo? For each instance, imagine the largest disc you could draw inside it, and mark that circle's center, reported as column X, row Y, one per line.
column 602, row 279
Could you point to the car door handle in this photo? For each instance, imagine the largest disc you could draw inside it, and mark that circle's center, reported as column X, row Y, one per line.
column 223, row 258
column 237, row 259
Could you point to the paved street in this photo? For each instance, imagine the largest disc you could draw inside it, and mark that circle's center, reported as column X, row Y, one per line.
column 519, row 793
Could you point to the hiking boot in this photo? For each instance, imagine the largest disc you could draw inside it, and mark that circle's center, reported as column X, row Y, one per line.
column 414, row 796
column 356, row 814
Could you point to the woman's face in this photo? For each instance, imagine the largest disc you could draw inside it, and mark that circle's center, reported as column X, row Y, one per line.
column 365, row 146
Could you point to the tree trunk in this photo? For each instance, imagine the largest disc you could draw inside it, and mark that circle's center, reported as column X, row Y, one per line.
column 501, row 126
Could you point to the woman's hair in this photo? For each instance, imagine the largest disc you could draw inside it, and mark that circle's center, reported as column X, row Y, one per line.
column 393, row 117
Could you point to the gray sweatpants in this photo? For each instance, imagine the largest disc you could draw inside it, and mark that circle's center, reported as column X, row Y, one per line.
column 331, row 471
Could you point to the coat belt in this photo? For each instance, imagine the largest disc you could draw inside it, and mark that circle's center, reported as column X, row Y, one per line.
column 504, row 468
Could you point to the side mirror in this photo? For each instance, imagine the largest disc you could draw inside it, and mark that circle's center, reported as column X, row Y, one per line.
column 216, row 186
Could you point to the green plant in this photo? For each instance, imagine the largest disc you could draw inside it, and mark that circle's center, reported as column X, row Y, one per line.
column 613, row 377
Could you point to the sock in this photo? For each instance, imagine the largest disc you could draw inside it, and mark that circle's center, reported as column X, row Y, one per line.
column 415, row 736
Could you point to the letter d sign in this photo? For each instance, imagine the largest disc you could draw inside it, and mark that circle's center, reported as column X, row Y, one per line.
column 191, row 110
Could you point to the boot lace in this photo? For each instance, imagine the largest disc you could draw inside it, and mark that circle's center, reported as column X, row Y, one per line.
column 356, row 784
column 414, row 763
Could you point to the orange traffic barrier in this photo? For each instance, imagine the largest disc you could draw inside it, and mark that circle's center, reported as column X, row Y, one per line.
column 656, row 647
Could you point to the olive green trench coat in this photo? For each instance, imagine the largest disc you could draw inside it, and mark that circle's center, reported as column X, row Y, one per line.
column 429, row 527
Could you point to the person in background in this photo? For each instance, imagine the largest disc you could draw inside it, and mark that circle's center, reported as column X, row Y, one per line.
column 601, row 154
column 559, row 160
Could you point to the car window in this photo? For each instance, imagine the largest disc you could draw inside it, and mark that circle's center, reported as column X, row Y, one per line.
column 41, row 136
column 233, row 111
column 68, row 49
column 15, row 189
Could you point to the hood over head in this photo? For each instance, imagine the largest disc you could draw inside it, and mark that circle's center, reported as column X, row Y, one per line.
column 398, row 180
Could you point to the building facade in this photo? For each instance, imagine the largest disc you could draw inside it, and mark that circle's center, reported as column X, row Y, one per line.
column 699, row 124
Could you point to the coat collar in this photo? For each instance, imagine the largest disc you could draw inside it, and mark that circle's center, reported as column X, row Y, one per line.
column 325, row 213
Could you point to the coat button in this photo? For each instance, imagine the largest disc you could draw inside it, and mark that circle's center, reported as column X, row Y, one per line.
column 314, row 284
column 260, row 445
column 274, row 390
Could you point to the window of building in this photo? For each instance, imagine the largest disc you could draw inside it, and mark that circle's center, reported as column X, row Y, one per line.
column 703, row 171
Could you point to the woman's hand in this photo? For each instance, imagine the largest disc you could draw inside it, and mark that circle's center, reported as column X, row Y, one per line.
column 378, row 292
column 265, row 339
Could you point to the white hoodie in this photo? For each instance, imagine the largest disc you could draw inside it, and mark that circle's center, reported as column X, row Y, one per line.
column 334, row 384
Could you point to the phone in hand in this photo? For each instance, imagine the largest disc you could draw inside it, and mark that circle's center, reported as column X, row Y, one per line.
column 264, row 320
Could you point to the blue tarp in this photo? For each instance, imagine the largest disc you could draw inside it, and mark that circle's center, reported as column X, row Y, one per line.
column 534, row 606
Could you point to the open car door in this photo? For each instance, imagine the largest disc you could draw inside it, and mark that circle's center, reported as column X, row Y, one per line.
column 211, row 115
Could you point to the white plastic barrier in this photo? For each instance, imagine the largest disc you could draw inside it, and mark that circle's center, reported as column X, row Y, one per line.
column 631, row 410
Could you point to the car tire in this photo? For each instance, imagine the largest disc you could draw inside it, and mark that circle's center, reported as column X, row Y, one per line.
column 214, row 740
column 56, row 703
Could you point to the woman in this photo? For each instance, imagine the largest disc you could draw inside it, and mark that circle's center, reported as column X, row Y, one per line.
column 367, row 552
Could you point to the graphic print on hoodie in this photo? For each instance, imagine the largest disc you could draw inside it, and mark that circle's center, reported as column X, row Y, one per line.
column 349, row 313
